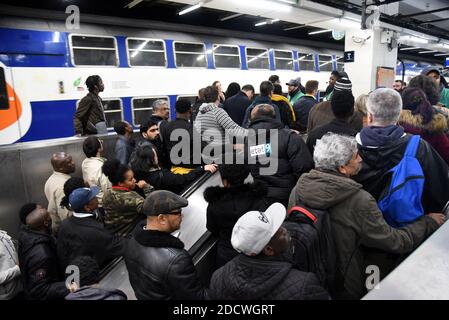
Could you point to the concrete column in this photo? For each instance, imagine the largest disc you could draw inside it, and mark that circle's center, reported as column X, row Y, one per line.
column 369, row 53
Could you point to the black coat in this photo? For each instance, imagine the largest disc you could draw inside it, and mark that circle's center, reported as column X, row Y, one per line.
column 302, row 109
column 92, row 293
column 87, row 237
column 335, row 126
column 226, row 206
column 377, row 162
column 236, row 107
column 42, row 278
column 293, row 159
column 160, row 268
column 264, row 278
column 164, row 179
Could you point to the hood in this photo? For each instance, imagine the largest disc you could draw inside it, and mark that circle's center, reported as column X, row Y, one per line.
column 92, row 293
column 265, row 123
column 438, row 124
column 261, row 99
column 252, row 278
column 255, row 189
column 322, row 190
column 29, row 238
column 206, row 107
column 380, row 136
column 278, row 97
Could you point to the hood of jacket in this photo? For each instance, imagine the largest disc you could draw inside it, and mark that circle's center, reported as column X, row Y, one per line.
column 217, row 193
column 206, row 107
column 252, row 278
column 92, row 293
column 322, row 190
column 29, row 238
column 438, row 124
column 265, row 123
column 373, row 136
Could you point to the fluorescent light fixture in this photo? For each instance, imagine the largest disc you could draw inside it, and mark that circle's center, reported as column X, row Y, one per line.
column 261, row 23
column 139, row 48
column 428, row 51
column 410, row 48
column 320, row 31
column 274, row 20
column 413, row 39
column 441, row 54
column 232, row 16
column 190, row 9
column 267, row 5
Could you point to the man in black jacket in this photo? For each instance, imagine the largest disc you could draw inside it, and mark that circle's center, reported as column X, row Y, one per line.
column 382, row 145
column 39, row 266
column 304, row 104
column 236, row 106
column 150, row 132
column 158, row 265
column 260, row 271
column 285, row 153
column 82, row 235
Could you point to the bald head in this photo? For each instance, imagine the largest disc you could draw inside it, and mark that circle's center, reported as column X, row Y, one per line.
column 63, row 162
column 263, row 110
column 39, row 219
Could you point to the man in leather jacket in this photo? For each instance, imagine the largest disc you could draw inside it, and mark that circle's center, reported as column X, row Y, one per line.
column 158, row 265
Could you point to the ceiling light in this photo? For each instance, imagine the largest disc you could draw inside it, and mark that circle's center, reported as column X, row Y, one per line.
column 409, row 48
column 260, row 23
column 191, row 8
column 428, row 51
column 413, row 39
column 441, row 54
column 265, row 4
column 320, row 31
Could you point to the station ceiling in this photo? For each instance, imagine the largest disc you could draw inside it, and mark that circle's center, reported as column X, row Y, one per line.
column 411, row 14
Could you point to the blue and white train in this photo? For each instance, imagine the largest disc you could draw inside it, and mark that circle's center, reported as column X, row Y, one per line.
column 43, row 69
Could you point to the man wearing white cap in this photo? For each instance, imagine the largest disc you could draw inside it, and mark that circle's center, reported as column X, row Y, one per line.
column 260, row 271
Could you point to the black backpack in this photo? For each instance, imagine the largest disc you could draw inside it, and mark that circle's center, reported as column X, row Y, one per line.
column 312, row 242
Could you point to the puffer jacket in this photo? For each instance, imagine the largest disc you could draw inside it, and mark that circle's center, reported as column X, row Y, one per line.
column 160, row 268
column 123, row 208
column 10, row 281
column 226, row 206
column 92, row 169
column 92, row 293
column 289, row 151
column 264, row 278
column 433, row 132
column 361, row 235
column 377, row 161
column 42, row 279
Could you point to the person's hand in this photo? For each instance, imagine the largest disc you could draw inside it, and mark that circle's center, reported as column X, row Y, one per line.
column 210, row 167
column 438, row 217
column 141, row 184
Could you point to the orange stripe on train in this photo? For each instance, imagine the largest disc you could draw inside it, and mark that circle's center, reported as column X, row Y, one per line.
column 10, row 116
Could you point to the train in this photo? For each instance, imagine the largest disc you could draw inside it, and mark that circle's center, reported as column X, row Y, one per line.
column 43, row 67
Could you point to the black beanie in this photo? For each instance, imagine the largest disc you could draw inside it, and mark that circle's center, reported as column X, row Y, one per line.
column 342, row 103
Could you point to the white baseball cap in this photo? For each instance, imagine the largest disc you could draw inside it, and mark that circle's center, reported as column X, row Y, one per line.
column 254, row 230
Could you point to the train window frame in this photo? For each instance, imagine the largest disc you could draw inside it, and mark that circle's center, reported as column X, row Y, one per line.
column 305, row 55
column 230, row 55
column 128, row 51
column 292, row 59
column 181, row 96
column 340, row 63
column 327, row 62
column 186, row 52
column 72, row 55
column 148, row 108
column 247, row 62
column 4, row 86
column 107, row 111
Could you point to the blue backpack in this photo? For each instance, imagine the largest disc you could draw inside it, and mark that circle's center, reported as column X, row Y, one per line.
column 401, row 203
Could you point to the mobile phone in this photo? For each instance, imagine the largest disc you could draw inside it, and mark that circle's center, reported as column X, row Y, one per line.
column 445, row 210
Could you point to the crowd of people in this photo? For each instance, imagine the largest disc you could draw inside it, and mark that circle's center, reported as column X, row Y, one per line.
column 336, row 163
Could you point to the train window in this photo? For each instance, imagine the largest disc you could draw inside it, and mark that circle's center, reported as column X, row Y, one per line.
column 93, row 50
column 257, row 58
column 340, row 64
column 226, row 56
column 113, row 111
column 283, row 59
column 325, row 62
column 4, row 103
column 190, row 55
column 191, row 98
column 142, row 108
column 146, row 52
column 306, row 62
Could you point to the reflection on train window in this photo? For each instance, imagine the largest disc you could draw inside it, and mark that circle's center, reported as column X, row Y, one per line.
column 4, row 103
column 306, row 62
column 283, row 59
column 113, row 111
column 142, row 108
column 325, row 62
column 93, row 51
column 257, row 58
column 146, row 52
column 226, row 56
column 340, row 64
column 190, row 55
column 191, row 98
